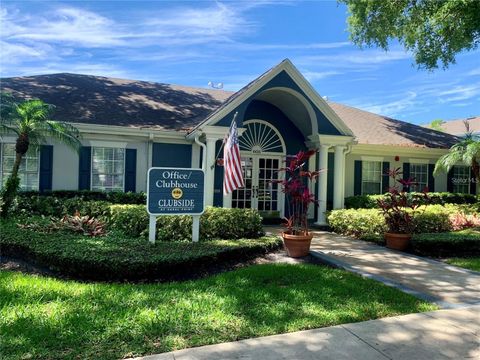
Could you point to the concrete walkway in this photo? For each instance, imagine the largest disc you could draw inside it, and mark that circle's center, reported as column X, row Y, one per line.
column 446, row 285
column 444, row 334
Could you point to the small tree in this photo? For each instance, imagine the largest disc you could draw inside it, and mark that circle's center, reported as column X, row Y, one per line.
column 295, row 187
column 437, row 124
column 30, row 121
column 466, row 151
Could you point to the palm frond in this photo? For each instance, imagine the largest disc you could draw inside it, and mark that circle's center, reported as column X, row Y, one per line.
column 63, row 132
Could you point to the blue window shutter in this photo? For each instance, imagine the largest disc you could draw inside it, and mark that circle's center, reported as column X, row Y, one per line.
column 473, row 184
column 385, row 177
column 46, row 168
column 431, row 178
column 84, row 168
column 406, row 174
column 450, row 180
column 357, row 178
column 130, row 170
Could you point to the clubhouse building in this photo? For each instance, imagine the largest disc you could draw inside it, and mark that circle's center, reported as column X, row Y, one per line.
column 129, row 126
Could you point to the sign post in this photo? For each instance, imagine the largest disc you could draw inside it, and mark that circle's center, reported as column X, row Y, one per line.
column 175, row 191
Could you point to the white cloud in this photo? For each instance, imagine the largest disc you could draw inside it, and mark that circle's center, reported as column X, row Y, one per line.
column 459, row 93
column 392, row 108
column 353, row 60
column 313, row 76
column 474, row 72
column 72, row 26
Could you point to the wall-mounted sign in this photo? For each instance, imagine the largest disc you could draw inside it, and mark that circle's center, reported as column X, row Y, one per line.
column 174, row 191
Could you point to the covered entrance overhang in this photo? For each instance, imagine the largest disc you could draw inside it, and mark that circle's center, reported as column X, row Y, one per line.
column 278, row 114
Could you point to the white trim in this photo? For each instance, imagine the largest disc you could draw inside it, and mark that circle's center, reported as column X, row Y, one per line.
column 371, row 158
column 129, row 131
column 284, row 147
column 332, row 140
column 308, row 106
column 106, row 143
column 287, row 66
column 418, row 161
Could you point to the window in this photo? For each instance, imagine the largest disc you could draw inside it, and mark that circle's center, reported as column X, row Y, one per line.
column 371, row 177
column 419, row 172
column 108, row 166
column 29, row 167
column 461, row 179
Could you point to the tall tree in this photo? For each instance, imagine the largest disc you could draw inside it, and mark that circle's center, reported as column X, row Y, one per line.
column 30, row 121
column 433, row 30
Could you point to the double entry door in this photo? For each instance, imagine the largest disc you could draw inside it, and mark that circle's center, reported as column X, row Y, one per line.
column 260, row 192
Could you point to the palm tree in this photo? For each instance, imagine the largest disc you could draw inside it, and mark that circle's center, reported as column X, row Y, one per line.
column 466, row 151
column 29, row 120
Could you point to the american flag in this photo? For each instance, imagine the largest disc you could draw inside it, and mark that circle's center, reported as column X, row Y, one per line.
column 233, row 173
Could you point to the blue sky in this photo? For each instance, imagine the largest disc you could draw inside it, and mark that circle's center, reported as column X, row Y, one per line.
column 193, row 42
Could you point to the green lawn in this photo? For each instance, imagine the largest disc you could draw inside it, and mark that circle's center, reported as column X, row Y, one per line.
column 46, row 318
column 467, row 263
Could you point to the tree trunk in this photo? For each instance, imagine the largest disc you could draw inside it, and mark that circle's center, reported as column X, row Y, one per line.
column 11, row 185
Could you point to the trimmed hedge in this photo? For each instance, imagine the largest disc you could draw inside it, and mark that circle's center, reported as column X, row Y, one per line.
column 215, row 223
column 369, row 224
column 458, row 243
column 57, row 203
column 438, row 198
column 119, row 258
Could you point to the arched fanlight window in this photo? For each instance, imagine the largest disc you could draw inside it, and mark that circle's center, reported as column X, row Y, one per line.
column 261, row 137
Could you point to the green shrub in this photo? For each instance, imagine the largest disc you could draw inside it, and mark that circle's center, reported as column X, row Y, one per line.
column 115, row 197
column 132, row 220
column 94, row 208
column 366, row 224
column 436, row 198
column 362, row 201
column 434, row 219
column 120, row 258
column 369, row 224
column 448, row 244
column 215, row 223
column 58, row 203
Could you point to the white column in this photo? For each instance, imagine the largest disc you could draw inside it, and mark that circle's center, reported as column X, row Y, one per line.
column 338, row 179
column 227, row 201
column 322, row 185
column 210, row 171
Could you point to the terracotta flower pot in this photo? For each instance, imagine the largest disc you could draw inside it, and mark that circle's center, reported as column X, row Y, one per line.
column 297, row 245
column 398, row 241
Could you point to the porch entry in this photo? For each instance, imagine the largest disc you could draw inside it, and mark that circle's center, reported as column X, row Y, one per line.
column 263, row 151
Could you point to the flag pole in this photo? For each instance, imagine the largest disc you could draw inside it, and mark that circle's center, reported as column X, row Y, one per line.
column 223, row 142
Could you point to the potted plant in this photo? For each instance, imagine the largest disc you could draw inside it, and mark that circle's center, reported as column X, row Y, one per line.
column 399, row 207
column 297, row 238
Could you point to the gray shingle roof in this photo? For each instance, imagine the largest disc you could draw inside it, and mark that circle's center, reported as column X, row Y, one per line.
column 109, row 101
column 370, row 128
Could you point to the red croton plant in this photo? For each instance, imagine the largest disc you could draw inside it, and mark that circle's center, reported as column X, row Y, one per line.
column 296, row 189
column 399, row 205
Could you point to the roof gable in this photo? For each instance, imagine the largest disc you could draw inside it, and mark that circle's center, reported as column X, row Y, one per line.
column 279, row 76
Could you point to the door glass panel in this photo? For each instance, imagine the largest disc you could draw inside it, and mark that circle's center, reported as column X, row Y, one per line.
column 267, row 190
column 241, row 198
column 259, row 191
